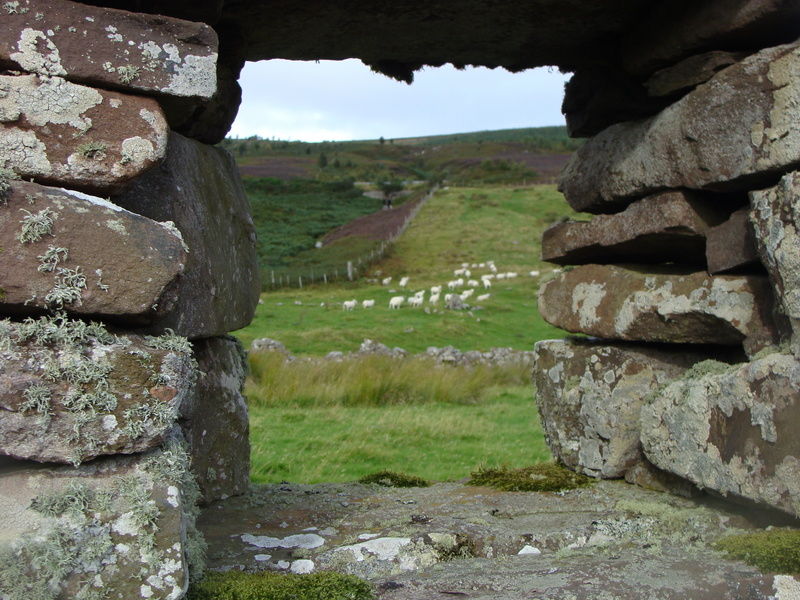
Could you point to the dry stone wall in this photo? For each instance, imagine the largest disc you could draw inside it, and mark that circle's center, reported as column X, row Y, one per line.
column 686, row 279
column 127, row 253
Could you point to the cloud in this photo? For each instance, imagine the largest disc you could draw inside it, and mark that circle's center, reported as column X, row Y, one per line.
column 344, row 100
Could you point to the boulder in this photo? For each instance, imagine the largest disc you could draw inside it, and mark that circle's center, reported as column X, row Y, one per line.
column 115, row 528
column 70, row 392
column 730, row 133
column 732, row 244
column 623, row 304
column 776, row 218
column 731, row 429
column 689, row 73
column 58, row 132
column 589, row 395
column 214, row 419
column 109, row 48
column 199, row 189
column 665, row 227
column 81, row 253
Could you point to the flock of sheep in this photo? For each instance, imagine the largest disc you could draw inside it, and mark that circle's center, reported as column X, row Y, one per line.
column 463, row 278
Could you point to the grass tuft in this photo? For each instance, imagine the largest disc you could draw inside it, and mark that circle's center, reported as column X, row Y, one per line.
column 392, row 479
column 773, row 551
column 236, row 585
column 546, row 477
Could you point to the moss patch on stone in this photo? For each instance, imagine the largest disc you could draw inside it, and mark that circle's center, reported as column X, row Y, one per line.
column 545, row 477
column 237, row 585
column 392, row 479
column 773, row 551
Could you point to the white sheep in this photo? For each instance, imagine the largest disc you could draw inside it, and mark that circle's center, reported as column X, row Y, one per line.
column 368, row 303
column 511, row 275
column 535, row 273
column 473, row 283
column 386, row 281
column 451, row 285
column 459, row 282
column 447, row 298
column 488, row 276
column 458, row 272
column 434, row 299
column 501, row 276
column 415, row 301
column 397, row 301
column 436, row 289
column 403, row 281
column 349, row 304
column 483, row 297
column 492, row 268
column 487, row 283
column 467, row 273
column 467, row 293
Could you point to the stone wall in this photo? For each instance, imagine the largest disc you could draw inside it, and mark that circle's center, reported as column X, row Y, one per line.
column 128, row 254
column 686, row 278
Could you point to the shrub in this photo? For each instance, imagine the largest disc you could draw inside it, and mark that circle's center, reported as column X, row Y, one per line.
column 773, row 551
column 545, row 477
column 237, row 585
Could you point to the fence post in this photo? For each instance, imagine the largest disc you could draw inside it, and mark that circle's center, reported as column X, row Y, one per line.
column 273, row 279
column 300, row 281
column 325, row 277
column 350, row 270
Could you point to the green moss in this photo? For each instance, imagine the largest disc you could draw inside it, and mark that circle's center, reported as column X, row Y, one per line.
column 236, row 585
column 392, row 479
column 773, row 551
column 545, row 477
column 707, row 367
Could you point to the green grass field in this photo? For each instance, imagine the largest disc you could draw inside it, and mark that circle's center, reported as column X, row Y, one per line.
column 303, row 432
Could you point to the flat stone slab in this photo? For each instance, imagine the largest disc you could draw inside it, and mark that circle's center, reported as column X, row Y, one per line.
column 70, row 392
column 731, row 133
column 732, row 244
column 105, row 47
column 523, row 544
column 690, row 73
column 731, row 429
column 614, row 303
column 62, row 133
column 589, row 394
column 71, row 251
column 199, row 189
column 665, row 227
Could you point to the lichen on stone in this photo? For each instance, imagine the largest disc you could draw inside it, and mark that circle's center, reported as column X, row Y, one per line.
column 36, row 226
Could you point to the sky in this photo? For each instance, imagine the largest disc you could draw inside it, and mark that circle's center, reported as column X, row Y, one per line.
column 344, row 100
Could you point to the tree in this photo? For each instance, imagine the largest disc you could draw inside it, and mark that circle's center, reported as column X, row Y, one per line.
column 323, row 161
column 390, row 190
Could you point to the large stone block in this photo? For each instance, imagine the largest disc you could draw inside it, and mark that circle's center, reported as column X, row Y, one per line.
column 737, row 129
column 58, row 132
column 121, row 527
column 105, row 47
column 776, row 217
column 731, row 429
column 81, row 253
column 665, row 227
column 691, row 72
column 70, row 392
column 199, row 189
column 611, row 302
column 732, row 244
column 215, row 420
column 589, row 395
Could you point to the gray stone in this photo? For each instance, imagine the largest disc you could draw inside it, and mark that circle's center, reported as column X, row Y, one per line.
column 666, row 306
column 690, row 73
column 589, row 395
column 115, row 528
column 665, row 227
column 727, row 134
column 70, row 392
column 199, row 189
column 58, row 132
column 214, row 419
column 732, row 244
column 731, row 429
column 775, row 218
column 81, row 253
column 105, row 47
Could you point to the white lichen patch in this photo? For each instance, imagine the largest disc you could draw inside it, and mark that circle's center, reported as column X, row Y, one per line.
column 55, row 101
column 23, row 152
column 194, row 76
column 381, row 548
column 137, row 151
column 117, row 225
column 35, row 56
column 303, row 540
column 786, row 587
column 97, row 201
column 586, row 298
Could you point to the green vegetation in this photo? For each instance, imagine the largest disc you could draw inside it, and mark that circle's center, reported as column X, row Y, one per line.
column 546, row 477
column 392, row 479
column 236, row 585
column 773, row 551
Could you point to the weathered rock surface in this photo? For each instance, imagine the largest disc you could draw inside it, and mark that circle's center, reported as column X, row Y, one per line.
column 105, row 47
column 589, row 395
column 215, row 422
column 612, row 537
column 115, row 528
column 83, row 254
column 70, row 392
column 690, row 73
column 58, row 132
column 665, row 227
column 732, row 244
column 776, row 217
column 732, row 430
column 611, row 302
column 199, row 189
column 727, row 134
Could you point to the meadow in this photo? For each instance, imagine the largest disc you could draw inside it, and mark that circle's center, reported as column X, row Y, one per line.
column 315, row 421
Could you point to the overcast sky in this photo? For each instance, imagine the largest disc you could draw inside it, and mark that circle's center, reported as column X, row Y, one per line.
column 344, row 100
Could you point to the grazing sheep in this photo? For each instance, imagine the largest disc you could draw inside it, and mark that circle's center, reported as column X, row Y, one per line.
column 349, row 304
column 458, row 272
column 434, row 299
column 447, row 298
column 459, row 282
column 492, row 268
column 368, row 303
column 489, row 276
column 501, row 276
column 535, row 273
column 386, row 281
column 437, row 289
column 483, row 297
column 415, row 301
column 467, row 273
column 487, row 283
column 510, row 275
column 473, row 283
column 397, row 301
column 467, row 293
column 451, row 285
column 403, row 281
